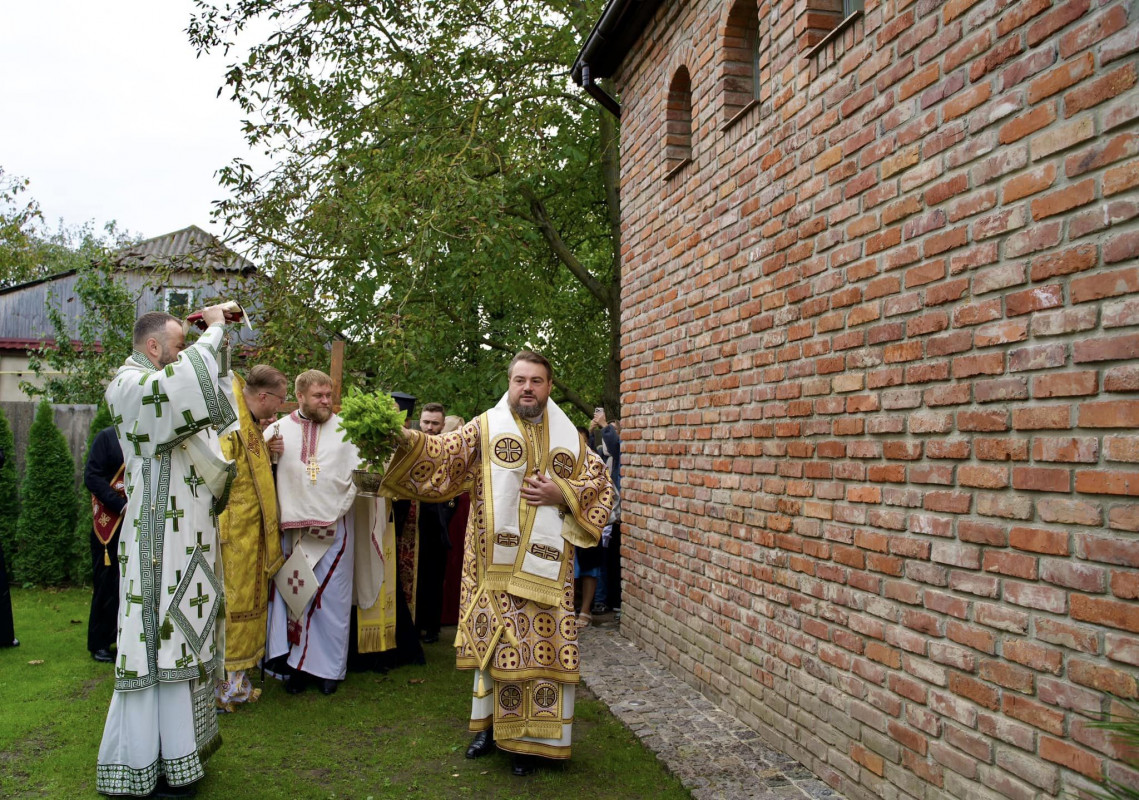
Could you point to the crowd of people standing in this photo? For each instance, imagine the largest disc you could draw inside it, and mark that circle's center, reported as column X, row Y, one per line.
column 225, row 538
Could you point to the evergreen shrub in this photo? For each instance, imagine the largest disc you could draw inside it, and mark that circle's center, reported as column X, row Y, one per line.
column 46, row 528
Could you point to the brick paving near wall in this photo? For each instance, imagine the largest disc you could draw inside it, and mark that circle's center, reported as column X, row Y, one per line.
column 713, row 754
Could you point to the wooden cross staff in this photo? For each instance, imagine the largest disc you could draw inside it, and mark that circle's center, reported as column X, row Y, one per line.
column 335, row 371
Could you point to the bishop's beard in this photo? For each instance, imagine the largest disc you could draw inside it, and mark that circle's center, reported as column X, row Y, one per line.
column 527, row 412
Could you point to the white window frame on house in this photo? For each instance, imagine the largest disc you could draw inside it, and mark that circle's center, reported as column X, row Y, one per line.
column 174, row 291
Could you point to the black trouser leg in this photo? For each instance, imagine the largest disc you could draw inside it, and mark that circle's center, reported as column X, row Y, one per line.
column 7, row 628
column 103, row 621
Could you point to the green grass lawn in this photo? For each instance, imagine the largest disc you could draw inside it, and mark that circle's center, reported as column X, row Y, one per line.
column 380, row 736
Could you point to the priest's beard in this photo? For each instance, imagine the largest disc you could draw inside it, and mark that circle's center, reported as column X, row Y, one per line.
column 319, row 414
column 528, row 412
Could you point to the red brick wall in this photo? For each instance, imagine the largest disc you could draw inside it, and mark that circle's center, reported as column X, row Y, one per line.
column 881, row 385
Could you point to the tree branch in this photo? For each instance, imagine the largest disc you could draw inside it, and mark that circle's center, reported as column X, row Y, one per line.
column 563, row 253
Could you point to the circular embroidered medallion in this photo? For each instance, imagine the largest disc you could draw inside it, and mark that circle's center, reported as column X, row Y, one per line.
column 522, row 623
column 562, row 463
column 421, row 472
column 507, row 658
column 544, row 653
column 544, row 624
column 546, row 695
column 457, row 469
column 507, row 450
column 482, row 624
column 568, row 656
column 588, row 496
column 569, row 627
column 510, row 697
column 432, row 447
column 598, row 516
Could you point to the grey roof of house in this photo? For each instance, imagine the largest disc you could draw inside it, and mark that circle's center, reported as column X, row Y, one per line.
column 190, row 257
column 188, row 248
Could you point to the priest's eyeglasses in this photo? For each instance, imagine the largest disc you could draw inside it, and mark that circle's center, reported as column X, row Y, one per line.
column 281, row 397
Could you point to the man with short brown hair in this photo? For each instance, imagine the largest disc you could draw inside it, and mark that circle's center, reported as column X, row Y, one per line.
column 536, row 491
column 249, row 537
column 314, row 591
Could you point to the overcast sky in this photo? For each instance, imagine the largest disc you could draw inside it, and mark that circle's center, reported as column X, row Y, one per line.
column 107, row 111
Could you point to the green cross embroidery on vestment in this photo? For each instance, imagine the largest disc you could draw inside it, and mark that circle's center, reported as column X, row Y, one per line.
column 185, row 660
column 193, row 481
column 123, row 556
column 133, row 598
column 177, row 580
column 122, row 671
column 191, row 423
column 205, row 547
column 156, row 398
column 136, row 439
column 199, row 601
column 116, row 419
column 175, row 513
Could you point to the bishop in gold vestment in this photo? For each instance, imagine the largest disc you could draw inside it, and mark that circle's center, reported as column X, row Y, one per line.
column 247, row 531
column 536, row 490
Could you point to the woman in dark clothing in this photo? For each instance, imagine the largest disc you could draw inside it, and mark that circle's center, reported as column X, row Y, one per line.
column 7, row 629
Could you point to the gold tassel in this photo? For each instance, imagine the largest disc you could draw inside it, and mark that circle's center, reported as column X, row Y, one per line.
column 106, row 557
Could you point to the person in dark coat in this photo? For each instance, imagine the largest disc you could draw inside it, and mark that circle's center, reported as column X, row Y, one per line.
column 103, row 478
column 7, row 628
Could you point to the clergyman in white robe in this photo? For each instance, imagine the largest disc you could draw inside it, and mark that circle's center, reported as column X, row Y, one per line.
column 313, row 594
column 161, row 722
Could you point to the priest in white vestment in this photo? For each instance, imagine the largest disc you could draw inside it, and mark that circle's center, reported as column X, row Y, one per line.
column 167, row 411
column 327, row 557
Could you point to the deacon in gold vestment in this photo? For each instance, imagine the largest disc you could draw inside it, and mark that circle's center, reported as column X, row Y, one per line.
column 247, row 530
column 536, row 490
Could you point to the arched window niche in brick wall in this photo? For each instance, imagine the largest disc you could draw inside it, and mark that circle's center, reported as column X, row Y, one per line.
column 740, row 68
column 824, row 29
column 678, row 123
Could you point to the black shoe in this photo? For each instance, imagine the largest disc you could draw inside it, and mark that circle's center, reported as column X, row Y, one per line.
column 163, row 789
column 521, row 765
column 13, row 643
column 482, row 744
column 103, row 656
column 328, row 686
column 295, row 683
column 431, row 638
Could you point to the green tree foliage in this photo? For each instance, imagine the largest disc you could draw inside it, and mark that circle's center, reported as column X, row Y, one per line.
column 30, row 250
column 9, row 491
column 19, row 256
column 85, row 354
column 443, row 195
column 45, row 532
